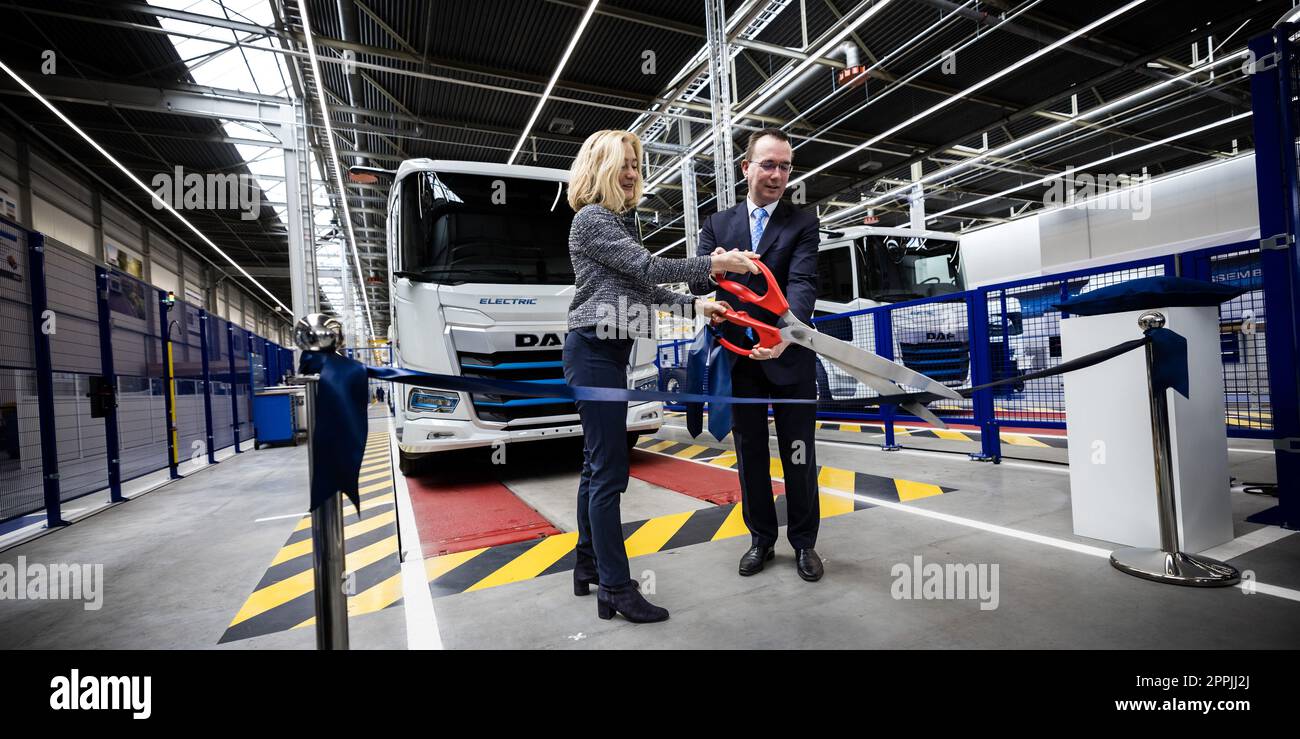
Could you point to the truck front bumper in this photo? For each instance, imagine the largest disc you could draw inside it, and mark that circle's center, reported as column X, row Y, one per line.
column 426, row 435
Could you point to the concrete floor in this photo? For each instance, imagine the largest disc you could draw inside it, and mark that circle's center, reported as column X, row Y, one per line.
column 179, row 562
column 1048, row 597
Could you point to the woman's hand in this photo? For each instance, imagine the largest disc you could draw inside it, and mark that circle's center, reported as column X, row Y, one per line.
column 761, row 353
column 711, row 309
column 733, row 261
column 714, row 272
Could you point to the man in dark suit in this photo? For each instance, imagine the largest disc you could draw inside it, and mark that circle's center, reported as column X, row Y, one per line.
column 786, row 240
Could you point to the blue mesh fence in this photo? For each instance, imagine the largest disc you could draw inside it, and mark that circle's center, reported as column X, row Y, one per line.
column 223, row 432
column 243, row 366
column 1243, row 333
column 70, row 288
column 21, row 489
column 186, row 331
column 1025, row 336
column 138, row 364
column 132, row 334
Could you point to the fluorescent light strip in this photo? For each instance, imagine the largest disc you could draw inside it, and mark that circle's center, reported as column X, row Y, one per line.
column 1093, row 164
column 699, row 145
column 573, row 42
column 666, row 248
column 972, row 89
column 698, row 59
column 1018, row 144
column 140, row 183
column 829, row 46
column 338, row 164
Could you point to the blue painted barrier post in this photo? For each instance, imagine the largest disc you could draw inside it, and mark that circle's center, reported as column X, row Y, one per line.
column 112, row 445
column 207, row 387
column 981, row 372
column 1278, row 187
column 234, row 397
column 44, row 381
column 884, row 333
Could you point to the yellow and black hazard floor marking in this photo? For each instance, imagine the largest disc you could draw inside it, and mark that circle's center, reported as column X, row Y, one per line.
column 1252, row 419
column 284, row 598
column 875, row 486
column 973, row 437
column 492, row 566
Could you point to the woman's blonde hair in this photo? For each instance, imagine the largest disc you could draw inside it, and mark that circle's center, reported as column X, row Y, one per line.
column 593, row 178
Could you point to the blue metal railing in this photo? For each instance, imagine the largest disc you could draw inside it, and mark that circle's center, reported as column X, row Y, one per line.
column 120, row 300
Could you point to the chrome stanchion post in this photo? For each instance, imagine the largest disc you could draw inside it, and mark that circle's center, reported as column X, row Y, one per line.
column 318, row 332
column 1168, row 563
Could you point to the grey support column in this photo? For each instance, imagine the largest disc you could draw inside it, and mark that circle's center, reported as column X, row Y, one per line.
column 690, row 204
column 715, row 25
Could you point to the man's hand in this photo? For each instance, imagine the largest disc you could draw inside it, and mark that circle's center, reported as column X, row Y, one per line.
column 761, row 353
column 739, row 262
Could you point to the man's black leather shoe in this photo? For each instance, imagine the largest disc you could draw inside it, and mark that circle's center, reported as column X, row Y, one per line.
column 752, row 562
column 808, row 564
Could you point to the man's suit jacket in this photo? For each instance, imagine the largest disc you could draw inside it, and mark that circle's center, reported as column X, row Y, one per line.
column 789, row 249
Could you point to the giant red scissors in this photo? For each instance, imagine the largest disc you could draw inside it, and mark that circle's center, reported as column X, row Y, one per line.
column 872, row 370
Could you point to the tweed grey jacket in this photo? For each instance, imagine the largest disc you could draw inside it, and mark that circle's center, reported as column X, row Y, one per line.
column 617, row 281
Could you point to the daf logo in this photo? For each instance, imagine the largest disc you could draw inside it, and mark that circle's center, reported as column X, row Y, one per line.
column 537, row 340
column 939, row 336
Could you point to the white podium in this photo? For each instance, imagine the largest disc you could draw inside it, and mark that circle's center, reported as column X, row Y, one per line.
column 1112, row 465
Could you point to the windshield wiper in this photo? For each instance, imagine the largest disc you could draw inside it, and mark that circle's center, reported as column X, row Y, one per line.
column 430, row 272
column 897, row 297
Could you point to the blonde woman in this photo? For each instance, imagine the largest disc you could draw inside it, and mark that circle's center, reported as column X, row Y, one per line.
column 616, row 284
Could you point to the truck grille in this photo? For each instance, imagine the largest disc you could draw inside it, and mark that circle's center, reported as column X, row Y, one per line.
column 945, row 361
column 544, row 366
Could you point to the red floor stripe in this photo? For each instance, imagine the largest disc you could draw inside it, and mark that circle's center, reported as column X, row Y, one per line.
column 458, row 515
column 713, row 484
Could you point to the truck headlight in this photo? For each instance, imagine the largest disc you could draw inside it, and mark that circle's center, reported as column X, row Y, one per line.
column 430, row 400
column 649, row 384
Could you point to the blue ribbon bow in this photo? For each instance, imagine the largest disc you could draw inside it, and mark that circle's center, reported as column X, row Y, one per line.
column 708, row 363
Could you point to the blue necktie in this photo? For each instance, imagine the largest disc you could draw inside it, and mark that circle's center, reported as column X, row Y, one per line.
column 755, row 237
column 756, row 234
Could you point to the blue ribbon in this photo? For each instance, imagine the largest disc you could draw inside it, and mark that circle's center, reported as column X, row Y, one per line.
column 574, row 392
column 1169, row 368
column 338, row 444
column 339, row 438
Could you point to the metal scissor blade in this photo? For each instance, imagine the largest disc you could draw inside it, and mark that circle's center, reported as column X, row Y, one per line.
column 875, row 382
column 885, row 387
column 918, row 409
column 845, row 354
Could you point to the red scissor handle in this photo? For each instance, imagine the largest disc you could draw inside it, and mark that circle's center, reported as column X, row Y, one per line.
column 768, row 335
column 772, row 300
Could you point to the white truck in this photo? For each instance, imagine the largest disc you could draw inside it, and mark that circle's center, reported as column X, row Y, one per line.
column 864, row 266
column 480, row 283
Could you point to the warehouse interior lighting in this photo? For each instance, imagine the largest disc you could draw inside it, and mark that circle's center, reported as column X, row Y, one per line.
column 139, row 183
column 972, row 89
column 338, row 164
column 1096, row 163
column 1017, row 144
column 555, row 77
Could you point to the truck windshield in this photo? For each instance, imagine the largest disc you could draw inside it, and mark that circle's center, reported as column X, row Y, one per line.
column 458, row 228
column 896, row 268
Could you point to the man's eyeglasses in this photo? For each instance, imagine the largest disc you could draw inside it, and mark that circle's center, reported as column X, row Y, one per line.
column 770, row 166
